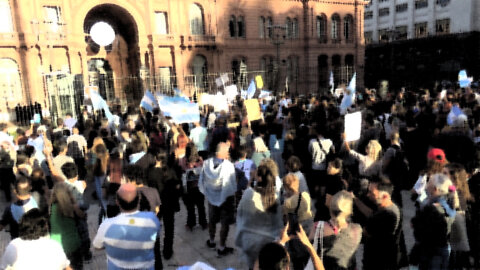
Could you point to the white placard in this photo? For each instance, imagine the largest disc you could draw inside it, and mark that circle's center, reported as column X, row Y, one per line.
column 353, row 126
column 231, row 92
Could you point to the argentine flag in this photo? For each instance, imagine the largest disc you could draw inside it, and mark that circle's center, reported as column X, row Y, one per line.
column 185, row 113
column 99, row 103
column 349, row 96
column 251, row 90
column 148, row 101
column 463, row 80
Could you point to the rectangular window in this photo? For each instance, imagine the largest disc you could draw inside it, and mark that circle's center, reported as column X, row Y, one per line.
column 368, row 37
column 401, row 32
column 165, row 76
column 443, row 3
column 383, row 35
column 421, row 30
column 442, row 26
column 53, row 15
column 261, row 27
column 161, row 23
column 401, row 8
column 381, row 1
column 6, row 25
column 383, row 12
column 368, row 15
column 421, row 4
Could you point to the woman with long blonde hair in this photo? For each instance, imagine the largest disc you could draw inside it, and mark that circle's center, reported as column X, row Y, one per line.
column 337, row 239
column 259, row 216
column 371, row 163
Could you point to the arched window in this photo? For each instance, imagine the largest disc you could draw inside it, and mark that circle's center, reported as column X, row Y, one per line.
column 295, row 33
column 267, row 69
column 292, row 72
column 10, row 85
column 322, row 28
column 323, row 74
column 349, row 65
column 288, row 28
column 6, row 25
column 335, row 34
column 337, row 68
column 241, row 27
column 261, row 27
column 270, row 27
column 348, row 28
column 232, row 26
column 196, row 20
column 239, row 70
column 199, row 70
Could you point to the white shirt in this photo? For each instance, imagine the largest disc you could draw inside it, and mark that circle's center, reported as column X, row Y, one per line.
column 198, row 135
column 43, row 253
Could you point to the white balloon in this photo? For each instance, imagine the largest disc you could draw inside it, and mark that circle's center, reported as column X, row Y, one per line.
column 102, row 33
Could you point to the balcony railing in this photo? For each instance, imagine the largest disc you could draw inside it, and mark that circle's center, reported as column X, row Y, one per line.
column 201, row 39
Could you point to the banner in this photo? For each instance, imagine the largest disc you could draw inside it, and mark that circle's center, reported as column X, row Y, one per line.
column 251, row 90
column 353, row 126
column 463, row 80
column 253, row 109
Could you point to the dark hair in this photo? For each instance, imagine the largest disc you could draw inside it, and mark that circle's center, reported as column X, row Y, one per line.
column 33, row 225
column 128, row 206
column 242, row 151
column 136, row 146
column 60, row 145
column 383, row 183
column 191, row 153
column 134, row 173
column 266, row 188
column 59, row 122
column 70, row 170
column 3, row 126
column 337, row 164
column 294, row 164
column 21, row 159
column 25, row 182
column 139, row 127
column 273, row 256
column 103, row 132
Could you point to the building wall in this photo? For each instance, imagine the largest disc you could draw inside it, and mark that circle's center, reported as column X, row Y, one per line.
column 463, row 16
column 46, row 58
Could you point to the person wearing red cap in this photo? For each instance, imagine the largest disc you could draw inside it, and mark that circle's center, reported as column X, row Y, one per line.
column 436, row 160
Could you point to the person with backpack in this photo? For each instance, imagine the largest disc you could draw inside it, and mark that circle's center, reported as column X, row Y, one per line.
column 395, row 167
column 322, row 151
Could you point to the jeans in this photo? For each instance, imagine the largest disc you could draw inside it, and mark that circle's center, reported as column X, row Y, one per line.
column 434, row 259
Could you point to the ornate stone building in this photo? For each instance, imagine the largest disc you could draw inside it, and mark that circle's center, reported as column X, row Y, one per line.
column 48, row 56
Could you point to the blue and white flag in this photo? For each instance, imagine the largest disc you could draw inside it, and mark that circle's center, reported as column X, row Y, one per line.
column 186, row 113
column 349, row 95
column 463, row 80
column 99, row 103
column 251, row 89
column 148, row 101
column 331, row 82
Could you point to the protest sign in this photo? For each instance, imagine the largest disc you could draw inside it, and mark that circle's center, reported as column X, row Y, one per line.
column 353, row 126
column 253, row 109
column 259, row 81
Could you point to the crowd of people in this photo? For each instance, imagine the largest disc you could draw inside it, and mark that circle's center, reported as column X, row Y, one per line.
column 301, row 196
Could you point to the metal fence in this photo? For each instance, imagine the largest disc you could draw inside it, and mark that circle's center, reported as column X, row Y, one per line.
column 64, row 92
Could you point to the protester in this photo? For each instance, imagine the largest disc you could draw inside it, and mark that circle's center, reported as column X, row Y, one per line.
column 337, row 240
column 218, row 183
column 432, row 225
column 34, row 249
column 133, row 233
column 259, row 216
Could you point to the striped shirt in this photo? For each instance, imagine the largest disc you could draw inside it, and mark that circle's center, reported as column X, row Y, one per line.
column 129, row 239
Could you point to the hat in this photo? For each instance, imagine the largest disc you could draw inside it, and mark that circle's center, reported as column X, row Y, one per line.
column 437, row 154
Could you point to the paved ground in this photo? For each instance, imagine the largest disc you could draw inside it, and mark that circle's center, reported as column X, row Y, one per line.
column 189, row 247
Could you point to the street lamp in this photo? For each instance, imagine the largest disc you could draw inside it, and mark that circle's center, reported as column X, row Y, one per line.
column 277, row 38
